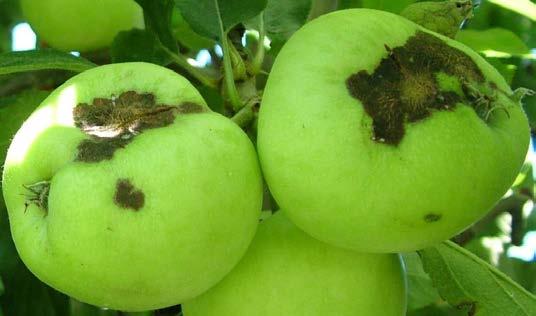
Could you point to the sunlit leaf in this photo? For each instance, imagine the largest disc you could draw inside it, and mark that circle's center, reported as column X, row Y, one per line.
column 469, row 283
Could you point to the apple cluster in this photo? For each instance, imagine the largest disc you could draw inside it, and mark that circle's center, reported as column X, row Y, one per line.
column 375, row 136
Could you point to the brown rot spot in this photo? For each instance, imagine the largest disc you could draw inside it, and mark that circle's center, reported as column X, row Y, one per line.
column 431, row 217
column 113, row 123
column 404, row 87
column 127, row 196
column 189, row 107
column 97, row 149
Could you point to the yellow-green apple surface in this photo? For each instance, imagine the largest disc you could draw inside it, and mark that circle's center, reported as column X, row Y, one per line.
column 125, row 191
column 287, row 272
column 81, row 25
column 378, row 135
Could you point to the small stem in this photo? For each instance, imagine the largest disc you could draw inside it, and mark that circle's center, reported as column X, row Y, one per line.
column 228, row 75
column 194, row 71
column 256, row 65
column 246, row 115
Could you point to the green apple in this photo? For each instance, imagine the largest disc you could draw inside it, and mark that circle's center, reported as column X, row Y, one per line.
column 81, row 25
column 378, row 135
column 286, row 272
column 125, row 191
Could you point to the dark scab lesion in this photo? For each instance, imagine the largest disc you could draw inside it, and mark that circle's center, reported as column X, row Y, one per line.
column 190, row 108
column 127, row 196
column 432, row 217
column 98, row 149
column 113, row 123
column 404, row 89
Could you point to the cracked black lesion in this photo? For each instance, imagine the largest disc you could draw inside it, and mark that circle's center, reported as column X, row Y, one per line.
column 405, row 88
column 127, row 196
column 432, row 217
column 113, row 123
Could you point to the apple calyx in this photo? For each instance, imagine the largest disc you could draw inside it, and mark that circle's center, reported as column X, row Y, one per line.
column 37, row 195
column 521, row 93
column 112, row 123
column 415, row 80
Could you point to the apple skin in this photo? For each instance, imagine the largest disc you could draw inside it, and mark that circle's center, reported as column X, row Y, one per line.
column 199, row 178
column 338, row 184
column 81, row 25
column 286, row 272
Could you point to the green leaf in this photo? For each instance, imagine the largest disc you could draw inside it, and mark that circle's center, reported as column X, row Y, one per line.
column 25, row 295
column 469, row 283
column 489, row 15
column 205, row 16
column 387, row 5
column 138, row 45
column 504, row 67
column 522, row 272
column 498, row 40
column 188, row 37
column 158, row 16
column 421, row 291
column 348, row 4
column 522, row 7
column 284, row 17
column 41, row 59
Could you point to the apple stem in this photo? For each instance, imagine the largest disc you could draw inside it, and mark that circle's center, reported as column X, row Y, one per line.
column 256, row 64
column 232, row 92
column 247, row 114
column 197, row 73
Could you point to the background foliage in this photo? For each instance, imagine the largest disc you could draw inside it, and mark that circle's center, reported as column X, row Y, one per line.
column 471, row 275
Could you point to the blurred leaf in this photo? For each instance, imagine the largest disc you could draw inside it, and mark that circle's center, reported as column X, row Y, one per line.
column 489, row 15
column 508, row 71
column 9, row 15
column 41, row 59
column 421, row 291
column 481, row 247
column 138, row 45
column 522, row 7
column 188, row 37
column 471, row 284
column 520, row 271
column 157, row 15
column 212, row 97
column 25, row 295
column 387, row 5
column 284, row 17
column 495, row 39
column 524, row 182
column 347, row 4
column 531, row 220
column 205, row 16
